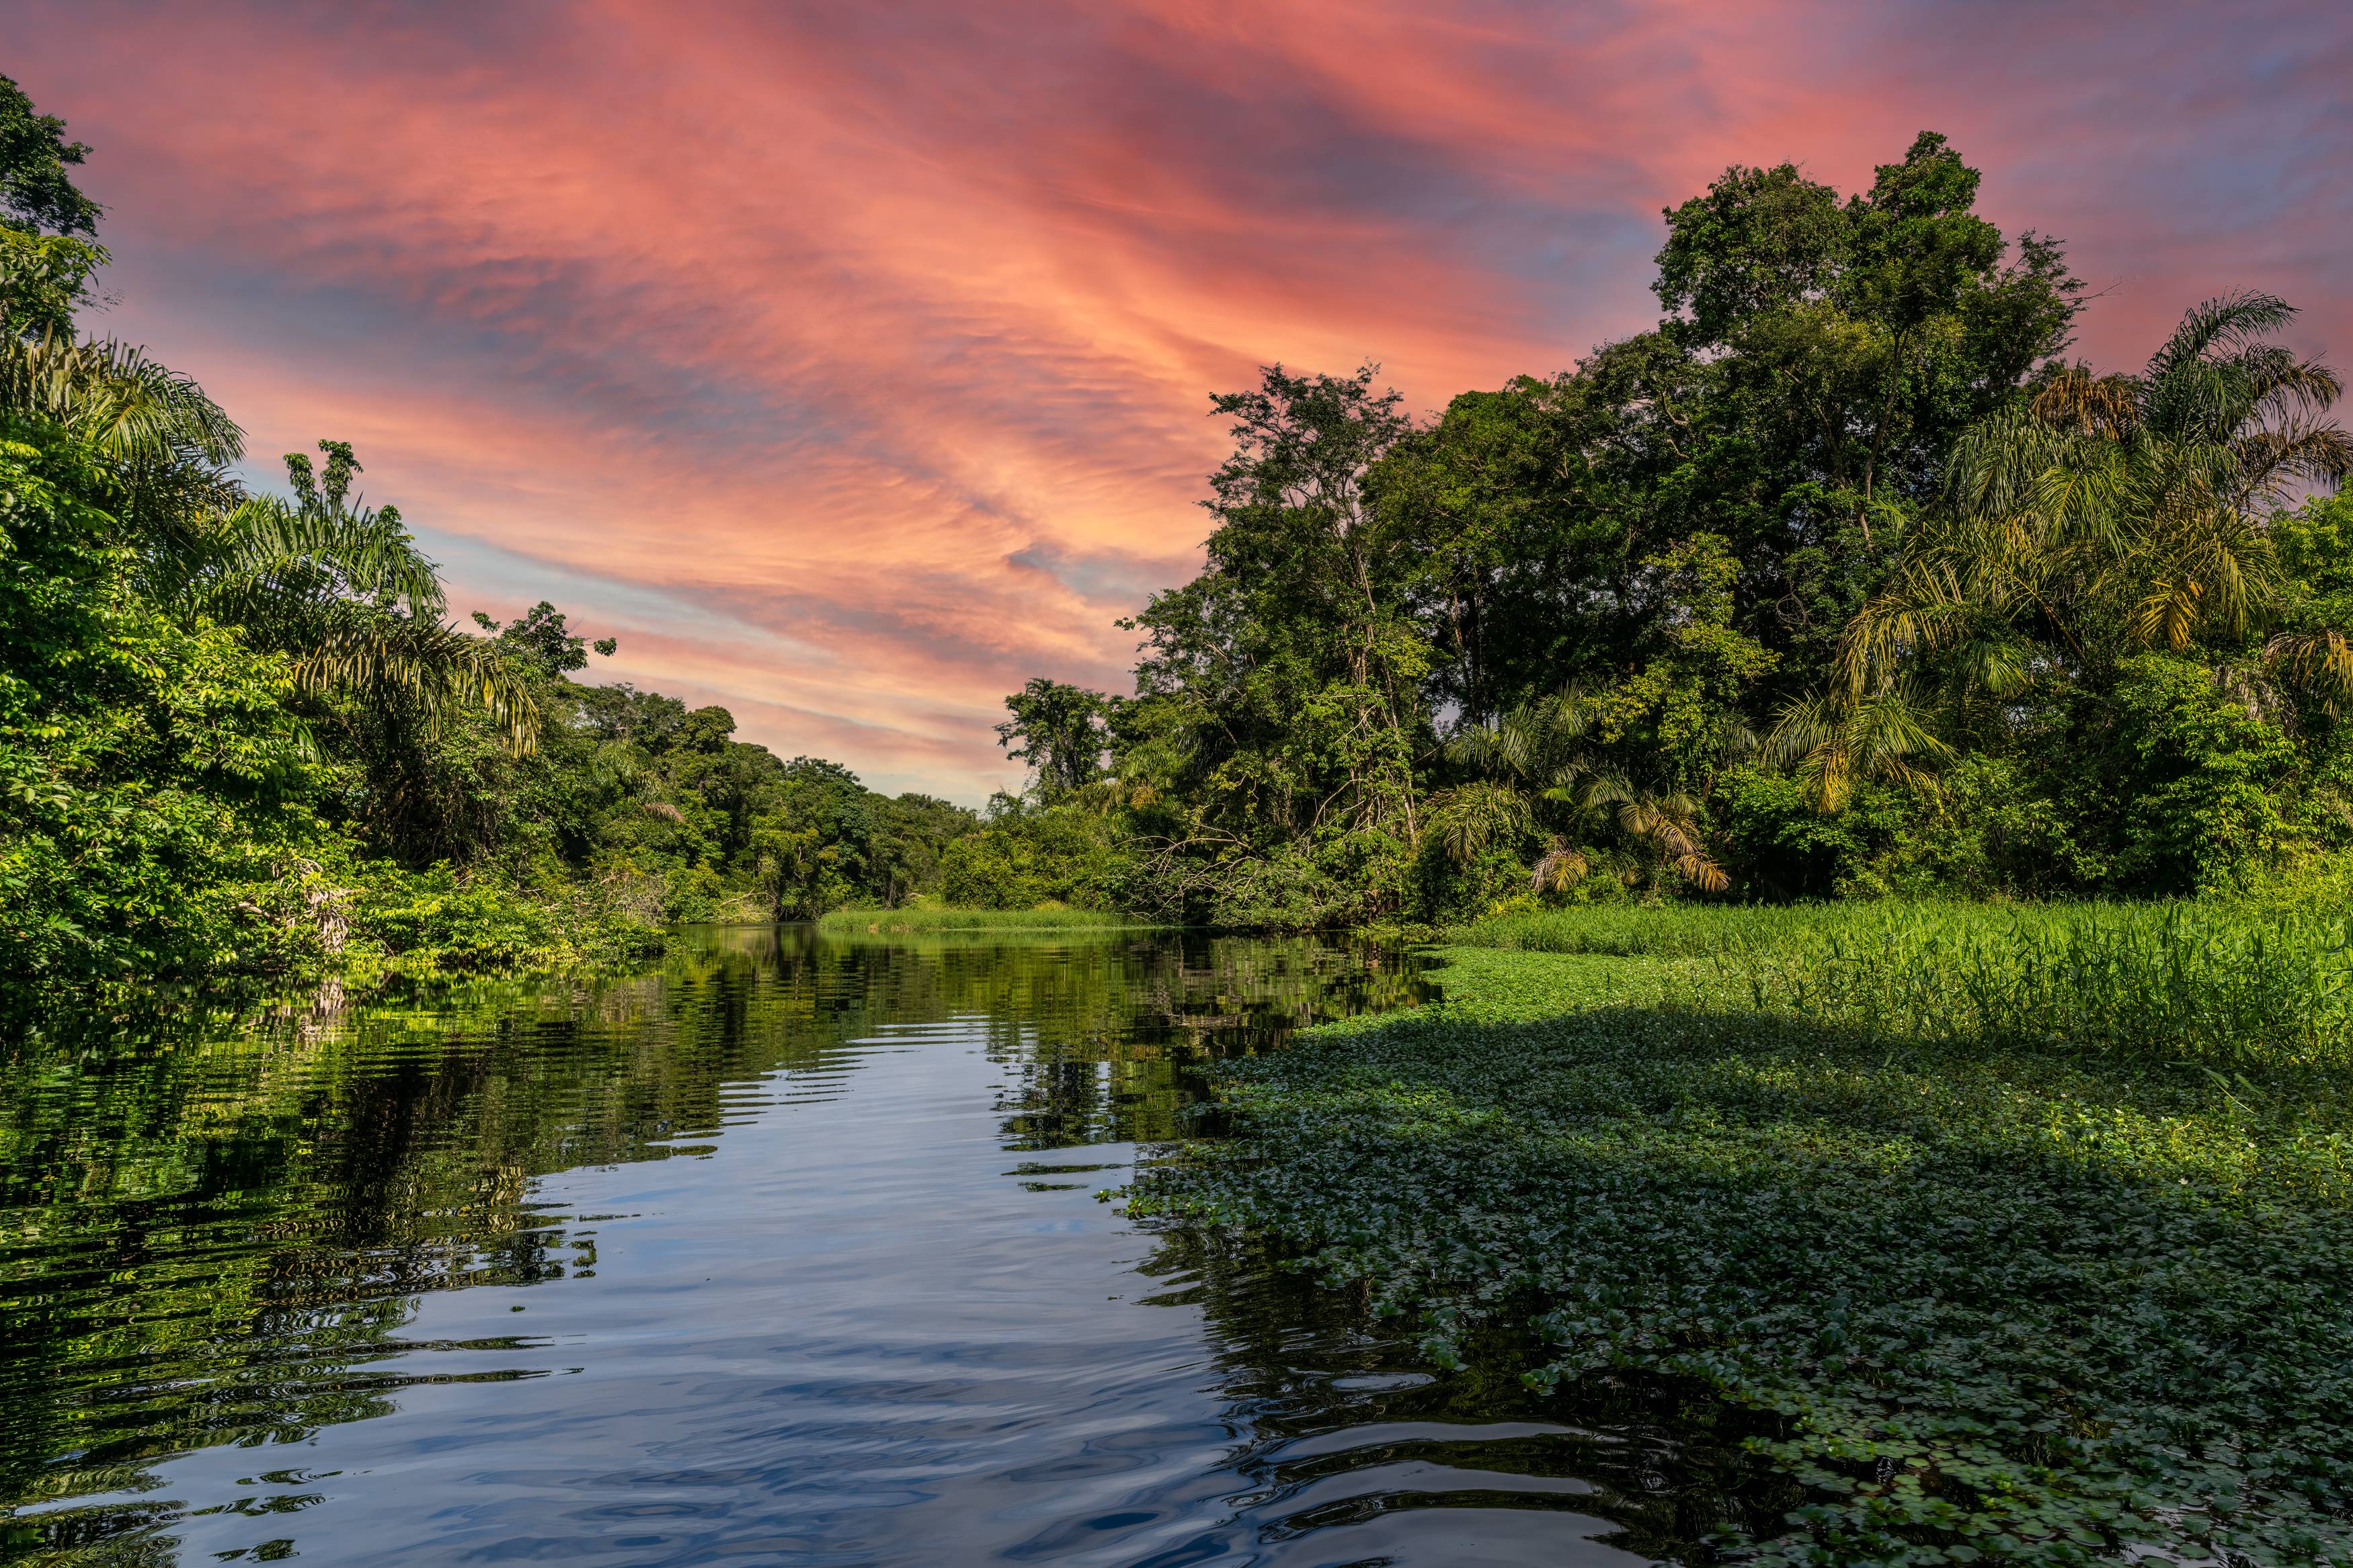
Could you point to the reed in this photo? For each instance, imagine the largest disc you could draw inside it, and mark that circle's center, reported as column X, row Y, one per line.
column 1634, row 931
column 2222, row 984
column 2215, row 982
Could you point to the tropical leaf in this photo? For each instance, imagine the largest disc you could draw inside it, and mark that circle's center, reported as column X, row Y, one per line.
column 1478, row 816
column 2321, row 662
column 344, row 593
column 114, row 397
column 1837, row 741
column 2109, row 514
column 1557, row 870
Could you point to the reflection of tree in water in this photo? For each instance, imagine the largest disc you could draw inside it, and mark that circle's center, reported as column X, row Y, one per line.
column 216, row 1231
column 1296, row 1359
column 211, row 1244
column 1120, row 1060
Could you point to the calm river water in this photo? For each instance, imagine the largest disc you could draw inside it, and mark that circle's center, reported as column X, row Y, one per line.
column 790, row 1253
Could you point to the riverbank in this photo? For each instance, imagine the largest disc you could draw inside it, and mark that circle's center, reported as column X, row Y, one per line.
column 2024, row 1262
column 354, row 930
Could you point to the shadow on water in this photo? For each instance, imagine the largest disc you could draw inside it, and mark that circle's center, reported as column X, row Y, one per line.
column 789, row 1251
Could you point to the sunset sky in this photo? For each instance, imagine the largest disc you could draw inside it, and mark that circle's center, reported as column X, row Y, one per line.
column 850, row 361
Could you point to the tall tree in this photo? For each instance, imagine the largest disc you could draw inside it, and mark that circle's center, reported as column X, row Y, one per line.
column 1825, row 356
column 1285, row 684
column 343, row 590
column 36, row 189
column 1059, row 730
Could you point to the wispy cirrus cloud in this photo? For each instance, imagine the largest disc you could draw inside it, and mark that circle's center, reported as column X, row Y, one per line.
column 850, row 361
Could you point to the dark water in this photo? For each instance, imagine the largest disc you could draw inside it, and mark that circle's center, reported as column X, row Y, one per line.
column 787, row 1253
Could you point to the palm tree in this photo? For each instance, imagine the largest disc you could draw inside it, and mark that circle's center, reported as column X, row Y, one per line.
column 1666, row 819
column 1477, row 816
column 1535, row 756
column 2118, row 513
column 1837, row 741
column 343, row 592
column 2105, row 516
column 119, row 402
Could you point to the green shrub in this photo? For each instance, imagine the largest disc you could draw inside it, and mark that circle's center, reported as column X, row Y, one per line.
column 440, row 921
column 1028, row 856
column 2198, row 780
column 436, row 918
column 1777, row 846
column 1988, row 832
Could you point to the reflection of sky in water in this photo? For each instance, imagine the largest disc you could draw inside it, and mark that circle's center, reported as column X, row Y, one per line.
column 793, row 1254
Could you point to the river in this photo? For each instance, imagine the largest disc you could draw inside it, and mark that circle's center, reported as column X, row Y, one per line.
column 792, row 1251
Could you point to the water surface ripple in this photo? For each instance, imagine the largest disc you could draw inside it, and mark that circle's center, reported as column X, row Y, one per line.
column 790, row 1253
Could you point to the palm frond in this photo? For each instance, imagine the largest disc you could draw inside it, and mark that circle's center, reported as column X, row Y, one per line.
column 113, row 397
column 2111, row 512
column 2274, row 462
column 344, row 593
column 1999, row 666
column 1477, row 816
column 2076, row 402
column 356, row 553
column 2279, row 384
column 1558, row 869
column 1837, row 741
column 2219, row 325
column 2321, row 662
column 364, row 648
column 1926, row 606
column 1995, row 463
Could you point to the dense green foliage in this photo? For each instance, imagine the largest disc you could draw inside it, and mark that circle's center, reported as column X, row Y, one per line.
column 1842, row 579
column 2025, row 1230
column 2030, row 1237
column 238, row 734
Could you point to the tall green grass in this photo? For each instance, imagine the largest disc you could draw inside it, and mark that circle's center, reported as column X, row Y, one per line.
column 926, row 922
column 1634, row 931
column 2219, row 982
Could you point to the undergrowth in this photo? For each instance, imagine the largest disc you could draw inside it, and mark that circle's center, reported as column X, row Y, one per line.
column 1645, row 930
column 2010, row 1287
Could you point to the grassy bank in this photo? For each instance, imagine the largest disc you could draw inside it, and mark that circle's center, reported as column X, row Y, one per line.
column 2030, row 1235
column 2219, row 982
column 1669, row 930
column 929, row 921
